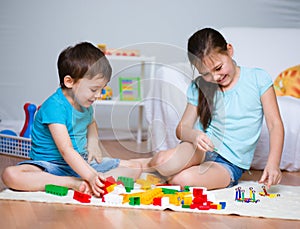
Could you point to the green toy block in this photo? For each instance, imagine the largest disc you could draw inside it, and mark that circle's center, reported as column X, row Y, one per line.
column 127, row 182
column 186, row 188
column 134, row 200
column 56, row 190
column 169, row 191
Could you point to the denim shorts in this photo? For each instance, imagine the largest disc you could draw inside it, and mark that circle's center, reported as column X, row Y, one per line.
column 61, row 168
column 234, row 171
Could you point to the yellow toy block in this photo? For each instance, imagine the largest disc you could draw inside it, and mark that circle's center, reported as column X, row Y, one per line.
column 127, row 196
column 187, row 200
column 111, row 188
column 153, row 179
column 173, row 198
column 216, row 206
column 148, row 196
column 145, row 185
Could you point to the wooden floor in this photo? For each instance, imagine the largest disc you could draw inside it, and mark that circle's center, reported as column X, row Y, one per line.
column 22, row 214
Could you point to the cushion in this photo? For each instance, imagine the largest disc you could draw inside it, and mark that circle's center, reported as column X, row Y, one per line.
column 288, row 82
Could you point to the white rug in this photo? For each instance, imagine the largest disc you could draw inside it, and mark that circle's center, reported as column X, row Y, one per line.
column 285, row 206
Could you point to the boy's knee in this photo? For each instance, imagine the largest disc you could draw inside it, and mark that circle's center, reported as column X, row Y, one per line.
column 8, row 175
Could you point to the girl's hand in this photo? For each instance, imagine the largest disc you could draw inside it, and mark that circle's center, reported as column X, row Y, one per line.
column 271, row 176
column 203, row 142
column 96, row 183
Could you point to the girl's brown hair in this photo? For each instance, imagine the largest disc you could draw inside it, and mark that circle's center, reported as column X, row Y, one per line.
column 200, row 45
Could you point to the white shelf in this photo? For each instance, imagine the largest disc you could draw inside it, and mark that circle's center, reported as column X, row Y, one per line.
column 140, row 104
column 131, row 58
column 119, row 103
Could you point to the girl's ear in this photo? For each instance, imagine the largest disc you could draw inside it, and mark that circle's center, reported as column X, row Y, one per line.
column 230, row 49
column 68, row 81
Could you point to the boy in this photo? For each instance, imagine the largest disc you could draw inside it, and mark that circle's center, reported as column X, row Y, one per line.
column 64, row 131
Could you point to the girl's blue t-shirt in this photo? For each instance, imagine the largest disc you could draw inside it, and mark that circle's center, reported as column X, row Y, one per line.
column 237, row 118
column 57, row 109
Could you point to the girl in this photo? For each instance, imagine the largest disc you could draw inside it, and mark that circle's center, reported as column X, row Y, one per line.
column 222, row 120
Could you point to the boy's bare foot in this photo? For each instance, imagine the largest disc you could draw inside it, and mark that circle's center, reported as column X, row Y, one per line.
column 83, row 187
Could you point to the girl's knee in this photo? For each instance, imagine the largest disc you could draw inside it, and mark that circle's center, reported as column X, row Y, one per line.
column 159, row 159
column 181, row 179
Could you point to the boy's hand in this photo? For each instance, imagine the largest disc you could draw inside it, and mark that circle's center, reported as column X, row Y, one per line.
column 96, row 184
column 271, row 176
column 94, row 152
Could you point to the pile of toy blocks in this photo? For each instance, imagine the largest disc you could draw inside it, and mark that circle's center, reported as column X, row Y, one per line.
column 123, row 191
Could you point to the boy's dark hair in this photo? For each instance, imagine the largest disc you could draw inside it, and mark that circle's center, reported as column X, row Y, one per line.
column 201, row 44
column 82, row 60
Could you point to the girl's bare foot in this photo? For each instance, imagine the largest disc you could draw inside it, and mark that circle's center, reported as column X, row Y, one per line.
column 127, row 168
column 144, row 163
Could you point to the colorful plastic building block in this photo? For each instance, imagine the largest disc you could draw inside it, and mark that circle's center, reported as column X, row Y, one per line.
column 56, row 190
column 187, row 200
column 112, row 198
column 127, row 182
column 161, row 201
column 134, row 200
column 82, row 197
column 169, row 191
column 109, row 185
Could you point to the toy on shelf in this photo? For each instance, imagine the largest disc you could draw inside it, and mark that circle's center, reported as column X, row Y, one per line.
column 106, row 93
column 102, row 47
column 117, row 52
column 130, row 88
column 122, row 52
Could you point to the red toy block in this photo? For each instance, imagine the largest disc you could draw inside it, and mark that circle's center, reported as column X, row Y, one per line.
column 200, row 206
column 108, row 182
column 200, row 200
column 204, row 207
column 214, row 206
column 157, row 201
column 193, row 206
column 197, row 192
column 82, row 197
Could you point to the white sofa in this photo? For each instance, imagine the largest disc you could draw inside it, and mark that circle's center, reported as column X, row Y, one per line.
column 273, row 49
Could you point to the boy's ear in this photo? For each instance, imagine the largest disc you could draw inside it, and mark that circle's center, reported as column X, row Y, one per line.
column 68, row 81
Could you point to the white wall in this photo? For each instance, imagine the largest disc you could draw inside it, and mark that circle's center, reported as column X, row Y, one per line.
column 33, row 32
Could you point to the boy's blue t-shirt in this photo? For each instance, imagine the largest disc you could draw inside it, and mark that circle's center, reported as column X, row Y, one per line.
column 57, row 109
column 238, row 115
